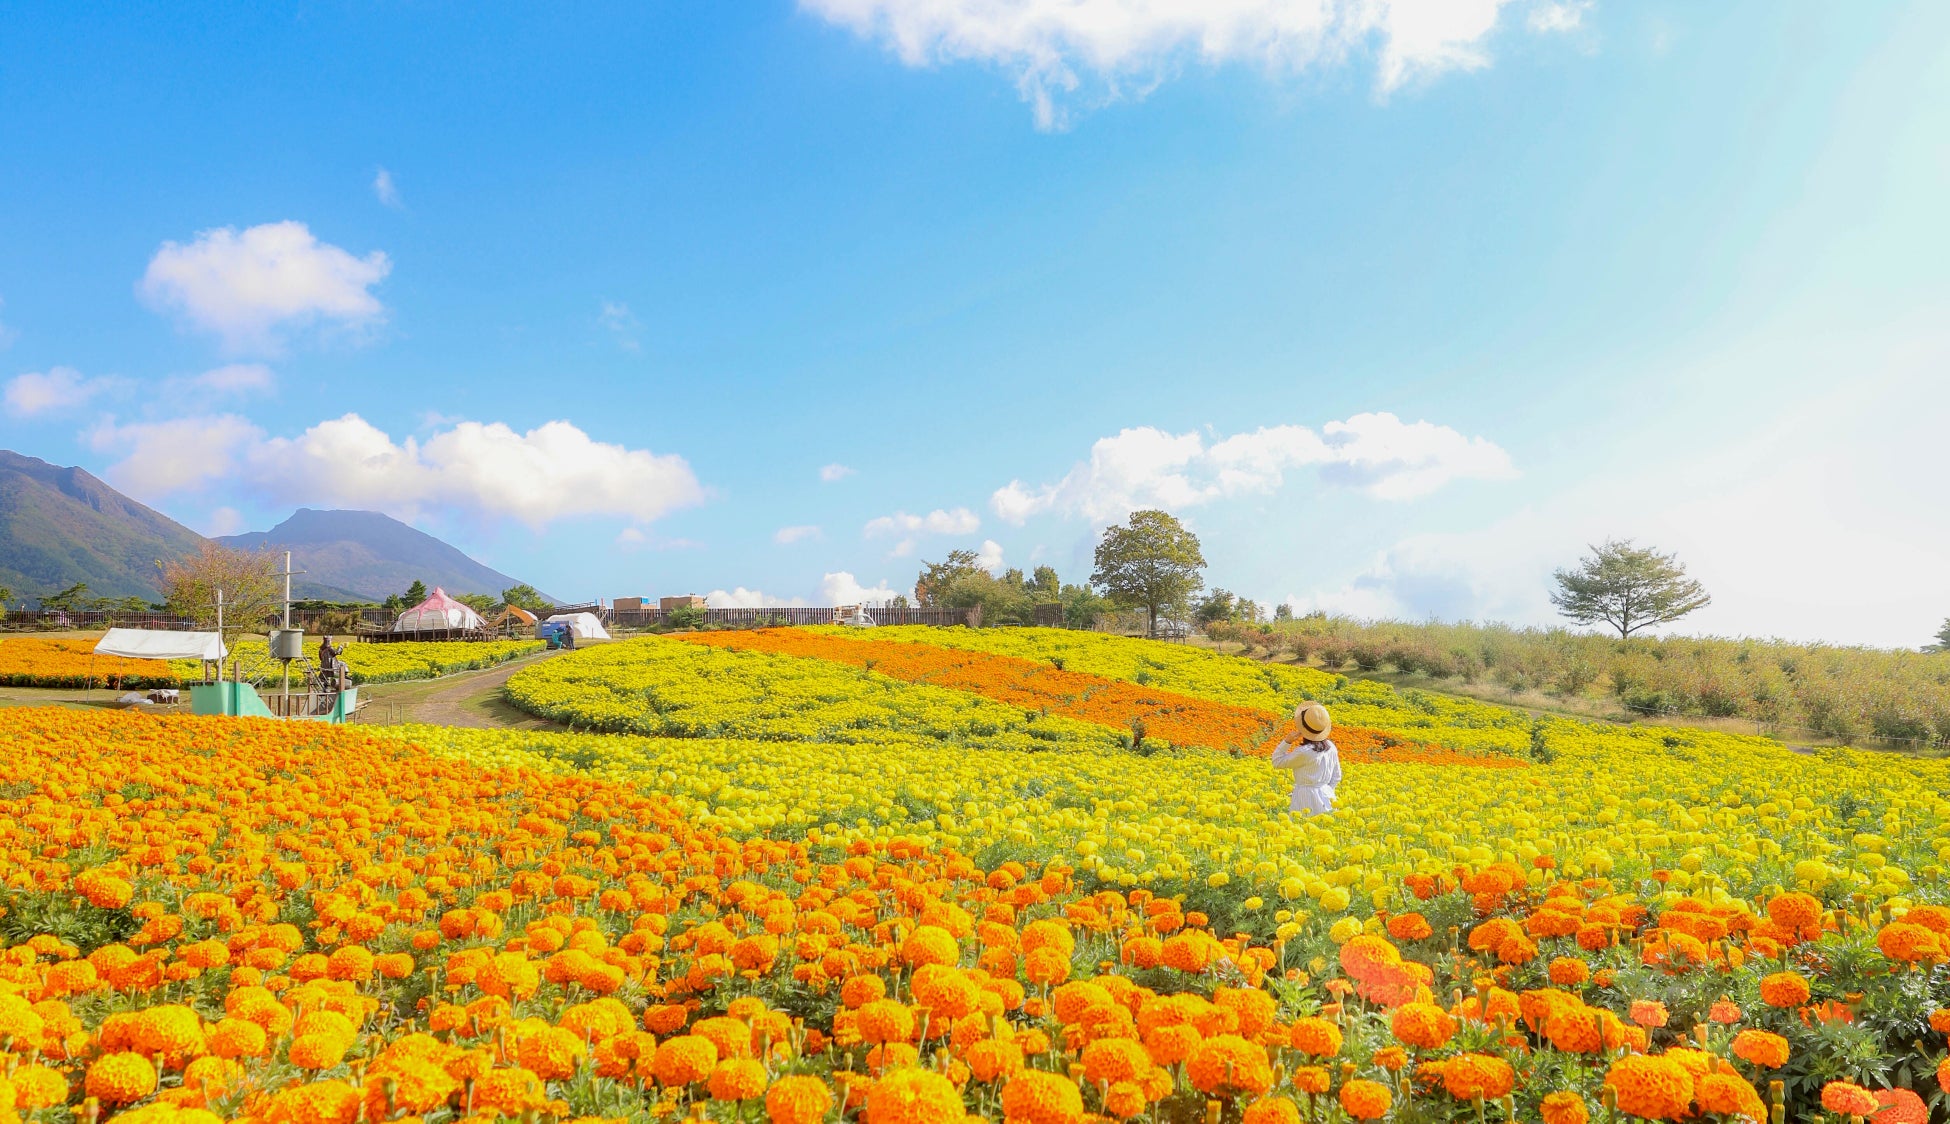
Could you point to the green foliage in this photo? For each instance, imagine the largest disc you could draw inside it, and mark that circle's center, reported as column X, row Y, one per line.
column 248, row 580
column 525, row 596
column 415, row 593
column 1081, row 604
column 687, row 616
column 67, row 600
column 937, row 578
column 1942, row 636
column 1152, row 563
column 1627, row 588
column 71, row 919
column 480, row 602
column 1843, row 693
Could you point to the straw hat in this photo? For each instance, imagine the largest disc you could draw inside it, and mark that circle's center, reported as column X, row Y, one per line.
column 1313, row 721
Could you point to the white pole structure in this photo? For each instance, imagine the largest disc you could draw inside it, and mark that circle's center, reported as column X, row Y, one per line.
column 287, row 626
column 220, row 655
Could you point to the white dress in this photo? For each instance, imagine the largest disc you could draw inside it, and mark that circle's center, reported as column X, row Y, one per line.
column 1315, row 775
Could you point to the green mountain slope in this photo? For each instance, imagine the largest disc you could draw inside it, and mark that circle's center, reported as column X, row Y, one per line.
column 370, row 554
column 59, row 526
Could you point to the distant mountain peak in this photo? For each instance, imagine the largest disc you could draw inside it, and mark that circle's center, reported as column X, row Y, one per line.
column 369, row 554
column 59, row 526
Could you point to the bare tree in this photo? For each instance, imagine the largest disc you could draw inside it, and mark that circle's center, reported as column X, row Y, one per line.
column 1628, row 588
column 252, row 587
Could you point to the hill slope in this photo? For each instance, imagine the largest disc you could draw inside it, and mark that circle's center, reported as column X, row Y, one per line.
column 59, row 526
column 368, row 555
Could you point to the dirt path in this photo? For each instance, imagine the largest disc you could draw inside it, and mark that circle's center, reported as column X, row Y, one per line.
column 470, row 699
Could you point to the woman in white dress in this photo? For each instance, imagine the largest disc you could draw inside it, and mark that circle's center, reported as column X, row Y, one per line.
column 1315, row 761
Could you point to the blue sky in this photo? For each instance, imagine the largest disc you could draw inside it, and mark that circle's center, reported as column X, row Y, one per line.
column 1398, row 311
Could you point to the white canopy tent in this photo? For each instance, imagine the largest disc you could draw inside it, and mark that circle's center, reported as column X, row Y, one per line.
column 160, row 644
column 584, row 626
column 437, row 612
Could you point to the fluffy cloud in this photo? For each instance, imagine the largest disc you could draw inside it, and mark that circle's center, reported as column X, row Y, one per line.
column 181, row 454
column 795, row 534
column 960, row 521
column 250, row 287
column 1145, row 467
column 1566, row 16
column 833, row 473
column 1100, row 50
column 385, row 190
column 552, row 471
column 990, row 557
column 842, row 588
column 51, row 391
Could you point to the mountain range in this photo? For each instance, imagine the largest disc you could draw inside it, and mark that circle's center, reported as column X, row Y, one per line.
column 59, row 526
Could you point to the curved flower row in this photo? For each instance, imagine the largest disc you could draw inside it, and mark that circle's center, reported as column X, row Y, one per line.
column 1147, row 712
column 210, row 918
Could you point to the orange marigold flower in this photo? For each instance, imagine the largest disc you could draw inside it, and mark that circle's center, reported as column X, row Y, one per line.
column 1761, row 1048
column 322, row 1050
column 1315, row 1036
column 1311, row 1079
column 1422, row 1025
column 1272, row 1110
column 1650, row 1013
column 1046, row 967
column 885, row 1020
column 1367, row 1100
column 1035, row 1097
column 798, row 1099
column 1940, row 1020
column 1797, row 913
column 1569, row 971
column 1848, row 1099
column 992, row 1059
column 1468, row 1076
column 1125, row 1099
column 739, row 1079
column 1228, row 1065
column 1657, row 1088
column 930, row 944
column 1409, row 927
column 1908, row 943
column 1728, row 1094
column 1725, row 1012
column 1899, row 1106
column 1391, row 1058
column 120, row 1078
column 233, row 1037
column 1564, row 1107
column 1784, row 990
column 37, row 1086
column 858, row 991
column 684, row 1060
column 1110, row 1060
column 913, row 1096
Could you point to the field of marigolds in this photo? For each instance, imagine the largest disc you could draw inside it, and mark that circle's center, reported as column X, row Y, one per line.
column 33, row 661
column 915, row 876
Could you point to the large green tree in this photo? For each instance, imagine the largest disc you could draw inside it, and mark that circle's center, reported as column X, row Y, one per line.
column 936, row 578
column 1627, row 587
column 525, row 596
column 1151, row 563
column 1942, row 638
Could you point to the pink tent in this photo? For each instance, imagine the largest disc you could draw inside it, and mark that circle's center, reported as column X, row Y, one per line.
column 437, row 612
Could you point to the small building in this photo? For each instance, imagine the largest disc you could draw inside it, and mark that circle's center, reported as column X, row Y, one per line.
column 627, row 605
column 438, row 613
column 689, row 600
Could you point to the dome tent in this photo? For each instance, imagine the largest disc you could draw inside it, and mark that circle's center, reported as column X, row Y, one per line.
column 585, row 626
column 438, row 612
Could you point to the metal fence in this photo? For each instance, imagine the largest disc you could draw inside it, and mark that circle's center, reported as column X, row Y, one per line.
column 53, row 620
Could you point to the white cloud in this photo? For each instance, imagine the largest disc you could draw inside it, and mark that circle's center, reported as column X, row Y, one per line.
column 386, row 190
column 550, row 472
column 960, row 521
column 181, row 454
column 841, row 588
column 250, row 287
column 235, row 378
column 619, row 321
column 629, row 538
column 1566, row 16
column 796, row 534
column 53, row 390
column 223, row 521
column 1097, row 51
column 1146, row 467
column 742, row 598
column 990, row 557
column 834, row 472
